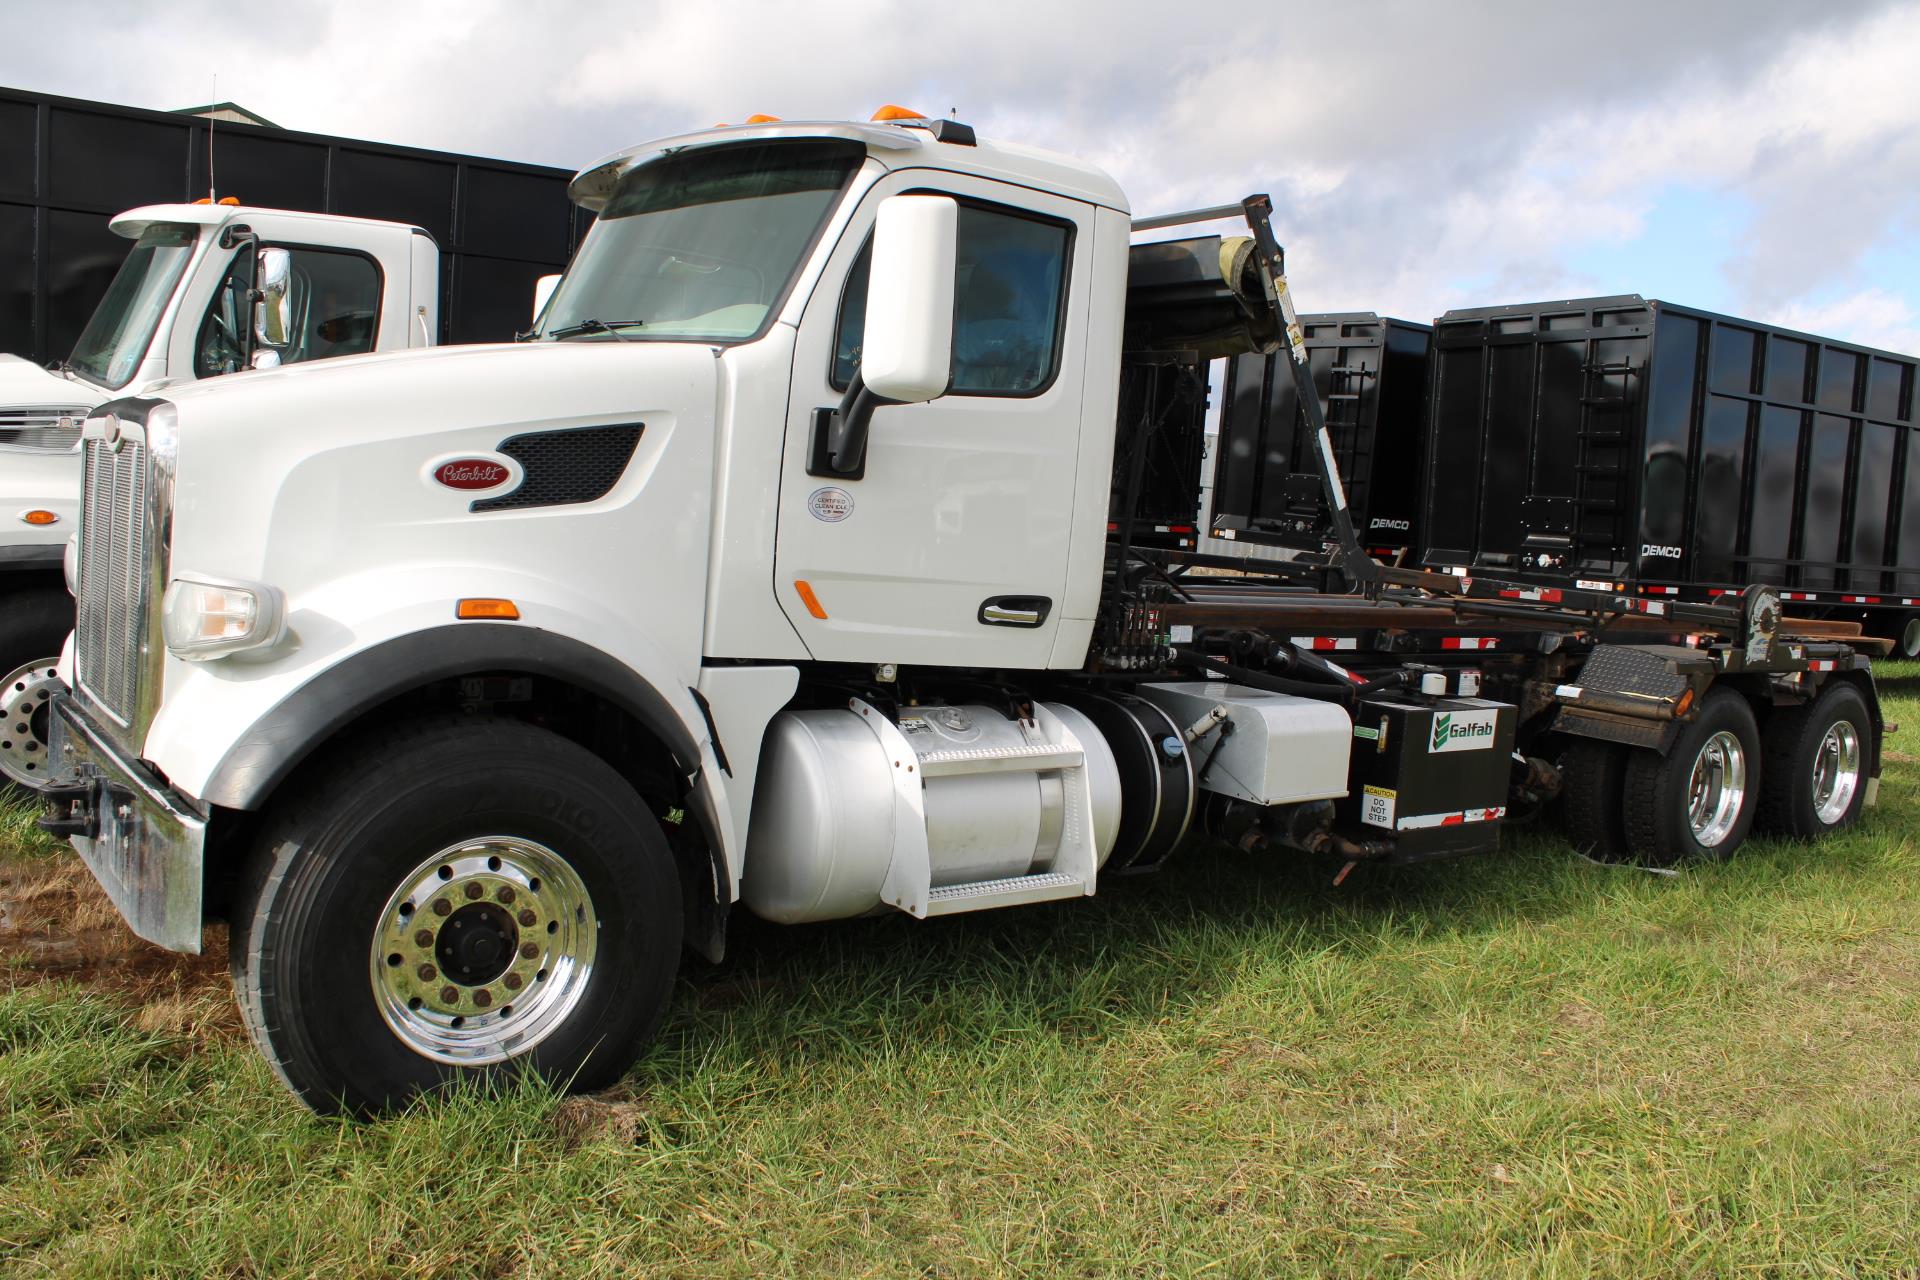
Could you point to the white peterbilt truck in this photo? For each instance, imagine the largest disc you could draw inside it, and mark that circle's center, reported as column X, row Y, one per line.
column 206, row 289
column 800, row 561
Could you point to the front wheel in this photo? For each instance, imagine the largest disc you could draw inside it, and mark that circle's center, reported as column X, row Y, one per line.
column 33, row 624
column 467, row 898
column 1698, row 800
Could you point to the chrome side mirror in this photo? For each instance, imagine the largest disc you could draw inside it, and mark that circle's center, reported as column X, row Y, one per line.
column 273, row 305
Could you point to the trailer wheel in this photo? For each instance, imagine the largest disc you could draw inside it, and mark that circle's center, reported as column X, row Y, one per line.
column 1816, row 765
column 460, row 899
column 33, row 624
column 1906, row 636
column 1698, row 800
column 1593, row 782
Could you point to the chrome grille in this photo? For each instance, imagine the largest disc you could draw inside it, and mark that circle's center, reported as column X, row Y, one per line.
column 42, row 429
column 111, row 627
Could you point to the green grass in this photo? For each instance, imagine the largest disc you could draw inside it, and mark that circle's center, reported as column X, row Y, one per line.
column 1523, row 1064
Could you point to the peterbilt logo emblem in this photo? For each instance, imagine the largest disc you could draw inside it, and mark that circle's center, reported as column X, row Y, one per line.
column 471, row 473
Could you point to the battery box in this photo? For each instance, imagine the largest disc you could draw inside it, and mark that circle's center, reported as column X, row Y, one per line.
column 1432, row 772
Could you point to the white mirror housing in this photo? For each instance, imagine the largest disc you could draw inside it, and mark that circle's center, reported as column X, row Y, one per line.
column 906, row 351
column 542, row 290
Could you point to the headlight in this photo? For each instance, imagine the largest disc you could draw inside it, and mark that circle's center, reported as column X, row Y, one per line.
column 163, row 425
column 204, row 619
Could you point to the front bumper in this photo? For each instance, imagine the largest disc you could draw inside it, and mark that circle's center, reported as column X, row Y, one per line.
column 143, row 842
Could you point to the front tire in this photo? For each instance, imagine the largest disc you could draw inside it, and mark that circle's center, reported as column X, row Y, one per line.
column 1816, row 765
column 1698, row 801
column 458, row 899
column 33, row 625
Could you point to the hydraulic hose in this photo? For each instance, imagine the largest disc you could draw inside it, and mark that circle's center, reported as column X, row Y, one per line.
column 1344, row 695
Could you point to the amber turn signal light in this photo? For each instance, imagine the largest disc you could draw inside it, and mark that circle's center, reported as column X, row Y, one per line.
column 487, row 607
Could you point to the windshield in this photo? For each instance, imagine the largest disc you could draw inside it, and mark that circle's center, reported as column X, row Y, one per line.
column 115, row 339
column 701, row 244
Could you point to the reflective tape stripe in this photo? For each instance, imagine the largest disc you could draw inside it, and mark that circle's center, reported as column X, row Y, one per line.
column 1459, row 818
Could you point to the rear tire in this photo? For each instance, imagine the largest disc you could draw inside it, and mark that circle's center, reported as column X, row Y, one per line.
column 1594, row 775
column 1699, row 800
column 33, row 625
column 506, row 853
column 1816, row 765
column 1906, row 637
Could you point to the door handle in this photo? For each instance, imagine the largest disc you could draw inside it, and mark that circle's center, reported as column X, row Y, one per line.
column 1015, row 611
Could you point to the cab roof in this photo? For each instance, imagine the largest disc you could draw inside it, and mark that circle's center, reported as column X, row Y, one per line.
column 907, row 144
column 134, row 221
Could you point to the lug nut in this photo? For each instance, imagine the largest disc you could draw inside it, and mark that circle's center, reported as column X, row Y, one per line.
column 442, row 907
column 528, row 951
column 513, row 981
column 424, row 938
column 527, row 918
column 505, row 894
column 474, row 890
column 427, row 973
column 483, row 997
column 448, row 995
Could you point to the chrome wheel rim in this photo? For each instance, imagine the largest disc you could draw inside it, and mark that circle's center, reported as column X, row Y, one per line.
column 483, row 950
column 1910, row 639
column 1717, row 789
column 1836, row 772
column 25, row 698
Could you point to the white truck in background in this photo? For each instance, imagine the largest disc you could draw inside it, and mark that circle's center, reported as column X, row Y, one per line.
column 206, row 290
column 796, row 564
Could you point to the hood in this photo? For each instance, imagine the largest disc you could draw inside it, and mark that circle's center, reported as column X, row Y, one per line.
column 24, row 384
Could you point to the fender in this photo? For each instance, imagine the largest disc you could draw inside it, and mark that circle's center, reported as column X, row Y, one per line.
column 270, row 750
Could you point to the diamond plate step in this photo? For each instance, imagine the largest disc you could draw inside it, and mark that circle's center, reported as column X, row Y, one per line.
column 1012, row 891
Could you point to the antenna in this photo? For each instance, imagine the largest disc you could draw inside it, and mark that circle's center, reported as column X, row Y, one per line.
column 215, row 100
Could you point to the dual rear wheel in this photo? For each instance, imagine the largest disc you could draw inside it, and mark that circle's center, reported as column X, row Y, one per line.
column 1805, row 776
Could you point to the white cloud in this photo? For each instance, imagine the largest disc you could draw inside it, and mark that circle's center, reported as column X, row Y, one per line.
column 1426, row 157
column 1871, row 317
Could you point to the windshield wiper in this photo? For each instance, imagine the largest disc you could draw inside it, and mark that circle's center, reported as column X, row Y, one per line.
column 598, row 326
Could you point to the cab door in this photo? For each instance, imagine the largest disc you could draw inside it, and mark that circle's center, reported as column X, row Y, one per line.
column 951, row 548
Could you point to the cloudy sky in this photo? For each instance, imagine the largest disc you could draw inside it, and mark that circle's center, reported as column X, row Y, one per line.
column 1752, row 156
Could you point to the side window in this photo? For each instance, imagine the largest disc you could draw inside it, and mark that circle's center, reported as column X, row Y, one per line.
column 222, row 345
column 1009, row 291
column 336, row 311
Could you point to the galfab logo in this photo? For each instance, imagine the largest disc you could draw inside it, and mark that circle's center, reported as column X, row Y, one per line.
column 1463, row 731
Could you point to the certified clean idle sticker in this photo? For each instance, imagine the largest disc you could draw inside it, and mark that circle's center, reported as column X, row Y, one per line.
column 1463, row 731
column 831, row 504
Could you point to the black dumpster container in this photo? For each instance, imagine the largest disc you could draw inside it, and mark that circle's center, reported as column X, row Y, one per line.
column 67, row 166
column 1371, row 374
column 1676, row 451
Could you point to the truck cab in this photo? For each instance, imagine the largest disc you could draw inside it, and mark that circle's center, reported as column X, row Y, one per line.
column 792, row 565
column 206, row 290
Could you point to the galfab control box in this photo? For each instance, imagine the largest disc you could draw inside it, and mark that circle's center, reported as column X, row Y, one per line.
column 1431, row 772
